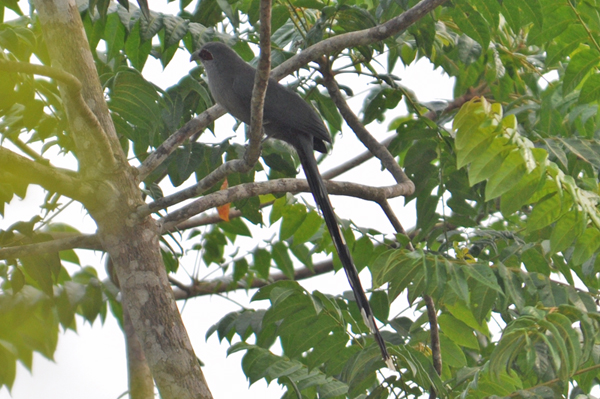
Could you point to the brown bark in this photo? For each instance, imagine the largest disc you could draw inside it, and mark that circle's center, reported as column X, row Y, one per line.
column 132, row 244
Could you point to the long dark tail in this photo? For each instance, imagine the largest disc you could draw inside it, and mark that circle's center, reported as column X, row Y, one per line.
column 309, row 164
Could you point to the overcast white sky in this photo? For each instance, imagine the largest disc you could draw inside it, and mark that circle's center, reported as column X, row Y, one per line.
column 91, row 363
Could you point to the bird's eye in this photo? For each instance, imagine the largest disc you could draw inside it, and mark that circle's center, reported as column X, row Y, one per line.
column 206, row 55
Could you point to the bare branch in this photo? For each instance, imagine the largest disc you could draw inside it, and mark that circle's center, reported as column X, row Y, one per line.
column 202, row 288
column 52, row 179
column 259, row 91
column 78, row 241
column 359, row 129
column 248, row 190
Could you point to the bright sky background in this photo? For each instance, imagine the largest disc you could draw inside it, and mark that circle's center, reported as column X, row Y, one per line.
column 91, row 363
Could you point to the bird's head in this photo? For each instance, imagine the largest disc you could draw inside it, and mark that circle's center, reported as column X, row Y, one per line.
column 211, row 51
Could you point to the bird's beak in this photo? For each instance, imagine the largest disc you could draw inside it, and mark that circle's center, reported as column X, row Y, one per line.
column 195, row 56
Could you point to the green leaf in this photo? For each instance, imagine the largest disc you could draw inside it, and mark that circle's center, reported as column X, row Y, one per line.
column 282, row 259
column 579, row 66
column 378, row 101
column 403, row 271
column 488, row 162
column 569, row 40
column 175, row 29
column 511, row 171
column 472, row 23
column 92, row 303
column 545, row 212
column 8, row 364
column 490, row 10
column 293, row 217
column 309, row 227
column 462, row 313
column 362, row 252
column 520, row 193
column 590, row 92
column 137, row 52
column 458, row 331
column 240, row 268
column 115, row 35
column 328, row 348
column 532, row 10
column 535, row 262
column 380, row 305
column 235, row 226
column 41, row 269
column 328, row 110
column 285, row 301
column 451, row 353
column 262, row 262
column 303, row 331
column 512, row 14
column 587, row 244
column 135, row 99
column 472, row 136
column 567, row 229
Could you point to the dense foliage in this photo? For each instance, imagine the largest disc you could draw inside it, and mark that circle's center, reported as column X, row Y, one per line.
column 514, row 159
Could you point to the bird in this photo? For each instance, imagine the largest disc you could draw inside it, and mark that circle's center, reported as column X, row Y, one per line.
column 287, row 117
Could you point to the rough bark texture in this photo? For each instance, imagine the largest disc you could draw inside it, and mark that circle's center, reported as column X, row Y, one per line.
column 133, row 245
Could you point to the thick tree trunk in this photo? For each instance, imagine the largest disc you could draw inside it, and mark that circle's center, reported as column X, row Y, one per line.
column 133, row 245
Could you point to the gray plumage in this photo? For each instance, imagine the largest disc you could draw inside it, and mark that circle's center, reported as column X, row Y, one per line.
column 289, row 118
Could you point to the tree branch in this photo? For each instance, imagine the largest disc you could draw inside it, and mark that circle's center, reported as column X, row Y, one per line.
column 380, row 151
column 78, row 241
column 202, row 288
column 236, row 165
column 50, row 178
column 248, row 190
column 259, row 91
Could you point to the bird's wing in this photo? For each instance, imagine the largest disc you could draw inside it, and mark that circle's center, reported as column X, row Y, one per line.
column 302, row 119
column 278, row 103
